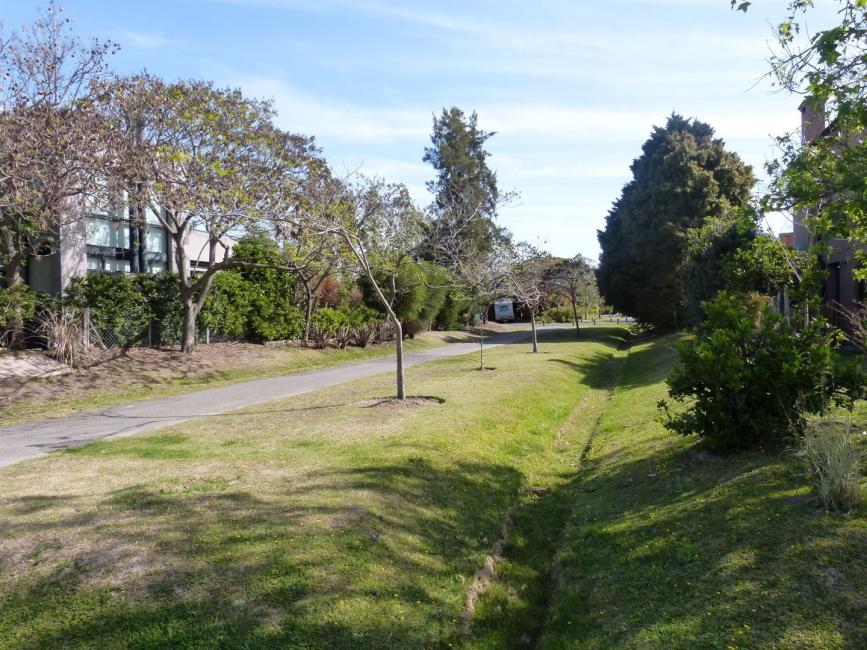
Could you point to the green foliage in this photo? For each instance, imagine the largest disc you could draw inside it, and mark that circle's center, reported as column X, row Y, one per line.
column 418, row 292
column 465, row 190
column 684, row 177
column 273, row 314
column 762, row 265
column 228, row 308
column 18, row 298
column 709, row 247
column 254, row 304
column 828, row 73
column 560, row 314
column 120, row 308
column 331, row 320
column 455, row 311
column 750, row 380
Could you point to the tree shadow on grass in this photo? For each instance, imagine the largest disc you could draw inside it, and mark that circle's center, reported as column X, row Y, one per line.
column 361, row 557
column 648, row 366
column 672, row 552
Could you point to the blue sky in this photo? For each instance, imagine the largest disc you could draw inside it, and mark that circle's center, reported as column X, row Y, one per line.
column 572, row 87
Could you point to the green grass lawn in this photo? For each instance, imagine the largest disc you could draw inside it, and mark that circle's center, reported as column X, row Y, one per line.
column 672, row 547
column 317, row 522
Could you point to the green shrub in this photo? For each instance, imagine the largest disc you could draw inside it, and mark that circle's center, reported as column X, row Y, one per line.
column 561, row 314
column 227, row 308
column 748, row 381
column 163, row 294
column 119, row 309
column 18, row 296
column 421, row 290
column 455, row 311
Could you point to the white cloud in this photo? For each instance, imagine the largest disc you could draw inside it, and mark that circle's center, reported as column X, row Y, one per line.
column 143, row 40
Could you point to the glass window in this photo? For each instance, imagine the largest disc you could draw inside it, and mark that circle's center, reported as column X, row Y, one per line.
column 151, row 217
column 156, row 239
column 102, row 232
column 158, row 267
column 94, row 263
column 117, row 266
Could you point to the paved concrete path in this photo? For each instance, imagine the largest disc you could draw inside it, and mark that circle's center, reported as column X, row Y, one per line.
column 19, row 442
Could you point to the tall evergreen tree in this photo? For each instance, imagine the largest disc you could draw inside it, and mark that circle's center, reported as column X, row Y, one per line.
column 465, row 190
column 683, row 177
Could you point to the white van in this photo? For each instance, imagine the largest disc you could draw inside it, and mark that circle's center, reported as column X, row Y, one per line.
column 504, row 310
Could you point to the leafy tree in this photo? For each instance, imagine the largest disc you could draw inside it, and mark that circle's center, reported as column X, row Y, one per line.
column 709, row 248
column 465, row 190
column 824, row 179
column 764, row 266
column 203, row 158
column 52, row 142
column 575, row 280
column 684, row 177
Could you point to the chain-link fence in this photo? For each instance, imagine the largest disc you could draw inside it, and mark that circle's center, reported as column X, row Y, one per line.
column 127, row 329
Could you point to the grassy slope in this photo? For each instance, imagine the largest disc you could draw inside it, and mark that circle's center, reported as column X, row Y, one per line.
column 308, row 522
column 671, row 548
column 291, row 360
column 312, row 522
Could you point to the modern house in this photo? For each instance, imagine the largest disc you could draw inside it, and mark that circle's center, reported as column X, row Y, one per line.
column 842, row 293
column 109, row 241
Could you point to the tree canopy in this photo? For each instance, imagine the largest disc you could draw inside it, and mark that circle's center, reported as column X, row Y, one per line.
column 465, row 190
column 684, row 176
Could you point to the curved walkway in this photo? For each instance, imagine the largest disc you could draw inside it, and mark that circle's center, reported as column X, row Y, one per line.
column 23, row 441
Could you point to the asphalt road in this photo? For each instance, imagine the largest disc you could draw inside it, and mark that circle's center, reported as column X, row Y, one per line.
column 23, row 441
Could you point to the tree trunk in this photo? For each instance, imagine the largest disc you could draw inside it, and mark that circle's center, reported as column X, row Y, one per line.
column 398, row 349
column 15, row 321
column 481, row 348
column 575, row 316
column 308, row 311
column 533, row 327
column 188, row 337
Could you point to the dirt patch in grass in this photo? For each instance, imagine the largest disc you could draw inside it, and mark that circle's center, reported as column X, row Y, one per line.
column 393, row 403
column 138, row 368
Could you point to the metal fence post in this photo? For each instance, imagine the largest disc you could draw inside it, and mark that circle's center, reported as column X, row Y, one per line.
column 207, row 335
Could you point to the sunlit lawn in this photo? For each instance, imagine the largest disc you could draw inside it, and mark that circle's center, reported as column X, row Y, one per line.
column 306, row 522
column 671, row 547
column 316, row 522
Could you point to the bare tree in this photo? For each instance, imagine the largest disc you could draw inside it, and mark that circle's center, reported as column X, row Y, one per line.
column 575, row 280
column 525, row 280
column 52, row 142
column 479, row 271
column 381, row 228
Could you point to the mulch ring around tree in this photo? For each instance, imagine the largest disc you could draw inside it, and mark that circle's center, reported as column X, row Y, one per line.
column 392, row 403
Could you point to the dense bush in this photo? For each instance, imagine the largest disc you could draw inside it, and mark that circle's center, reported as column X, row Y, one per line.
column 18, row 296
column 561, row 314
column 455, row 311
column 420, row 291
column 746, row 381
column 270, row 293
column 120, row 307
